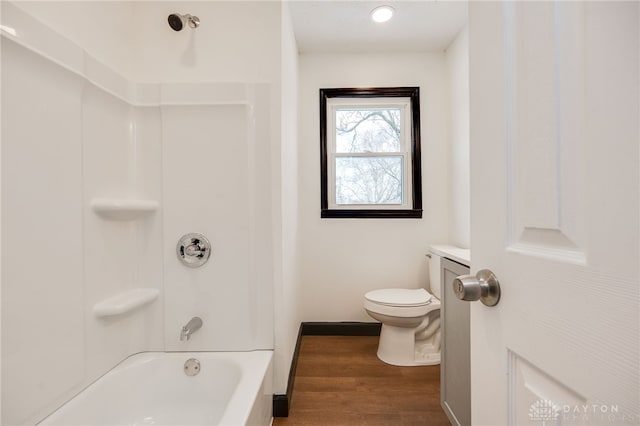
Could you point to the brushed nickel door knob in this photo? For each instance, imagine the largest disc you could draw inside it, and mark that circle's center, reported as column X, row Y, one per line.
column 483, row 286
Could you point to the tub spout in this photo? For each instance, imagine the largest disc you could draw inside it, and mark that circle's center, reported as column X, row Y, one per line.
column 191, row 327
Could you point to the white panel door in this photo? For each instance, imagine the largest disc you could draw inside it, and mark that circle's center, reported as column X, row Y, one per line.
column 554, row 182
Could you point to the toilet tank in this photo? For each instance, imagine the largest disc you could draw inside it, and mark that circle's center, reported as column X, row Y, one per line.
column 434, row 274
column 436, row 254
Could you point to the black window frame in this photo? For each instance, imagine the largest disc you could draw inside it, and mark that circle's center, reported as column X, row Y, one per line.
column 413, row 93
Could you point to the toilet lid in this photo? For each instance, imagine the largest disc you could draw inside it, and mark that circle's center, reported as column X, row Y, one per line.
column 399, row 297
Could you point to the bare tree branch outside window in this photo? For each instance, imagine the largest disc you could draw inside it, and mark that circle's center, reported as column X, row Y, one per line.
column 368, row 179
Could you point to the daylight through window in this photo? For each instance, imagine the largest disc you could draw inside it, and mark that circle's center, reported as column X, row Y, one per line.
column 370, row 145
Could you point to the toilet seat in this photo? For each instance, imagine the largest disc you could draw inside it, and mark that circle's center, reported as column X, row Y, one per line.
column 400, row 302
column 399, row 297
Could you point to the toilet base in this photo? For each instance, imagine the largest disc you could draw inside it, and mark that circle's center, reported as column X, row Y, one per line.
column 397, row 346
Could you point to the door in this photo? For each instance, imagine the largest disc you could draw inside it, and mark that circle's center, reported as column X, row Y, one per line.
column 554, row 183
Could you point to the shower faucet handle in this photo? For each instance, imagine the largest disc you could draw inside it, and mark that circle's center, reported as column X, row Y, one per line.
column 196, row 249
column 193, row 250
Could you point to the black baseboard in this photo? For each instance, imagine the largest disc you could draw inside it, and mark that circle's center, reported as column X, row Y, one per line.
column 281, row 402
column 341, row 328
column 280, row 405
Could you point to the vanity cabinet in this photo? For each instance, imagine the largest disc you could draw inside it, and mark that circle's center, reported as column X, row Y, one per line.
column 455, row 373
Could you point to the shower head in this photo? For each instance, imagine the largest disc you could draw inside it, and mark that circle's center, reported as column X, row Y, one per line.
column 177, row 21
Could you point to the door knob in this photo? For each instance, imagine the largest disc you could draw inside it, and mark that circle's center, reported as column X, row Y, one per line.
column 483, row 286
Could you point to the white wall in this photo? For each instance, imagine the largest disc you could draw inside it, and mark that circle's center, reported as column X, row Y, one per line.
column 286, row 289
column 70, row 142
column 241, row 41
column 215, row 157
column 42, row 279
column 66, row 142
column 105, row 29
column 341, row 259
column 117, row 157
column 457, row 57
column 236, row 41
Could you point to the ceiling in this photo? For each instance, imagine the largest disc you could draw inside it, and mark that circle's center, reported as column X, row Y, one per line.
column 326, row 26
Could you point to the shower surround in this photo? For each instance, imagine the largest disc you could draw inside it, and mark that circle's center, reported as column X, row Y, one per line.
column 100, row 178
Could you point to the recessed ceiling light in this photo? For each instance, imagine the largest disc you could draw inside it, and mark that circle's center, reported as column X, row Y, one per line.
column 382, row 13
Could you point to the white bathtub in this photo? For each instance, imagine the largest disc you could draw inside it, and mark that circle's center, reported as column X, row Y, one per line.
column 232, row 388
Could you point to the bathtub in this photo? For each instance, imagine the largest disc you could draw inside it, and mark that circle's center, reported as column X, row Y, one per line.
column 151, row 388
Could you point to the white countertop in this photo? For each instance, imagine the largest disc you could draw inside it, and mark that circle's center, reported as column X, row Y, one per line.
column 457, row 254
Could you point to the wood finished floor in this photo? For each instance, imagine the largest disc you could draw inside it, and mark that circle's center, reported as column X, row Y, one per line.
column 340, row 381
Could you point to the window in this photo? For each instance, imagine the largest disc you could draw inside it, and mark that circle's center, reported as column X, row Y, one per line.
column 370, row 153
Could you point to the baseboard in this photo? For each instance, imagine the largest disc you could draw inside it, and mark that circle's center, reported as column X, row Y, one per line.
column 341, row 328
column 281, row 403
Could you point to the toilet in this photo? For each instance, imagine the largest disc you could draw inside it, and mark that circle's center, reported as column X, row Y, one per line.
column 410, row 318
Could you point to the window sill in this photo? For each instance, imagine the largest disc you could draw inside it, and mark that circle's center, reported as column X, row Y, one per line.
column 371, row 214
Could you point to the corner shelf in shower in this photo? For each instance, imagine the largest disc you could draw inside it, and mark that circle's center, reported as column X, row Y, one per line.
column 123, row 209
column 125, row 302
